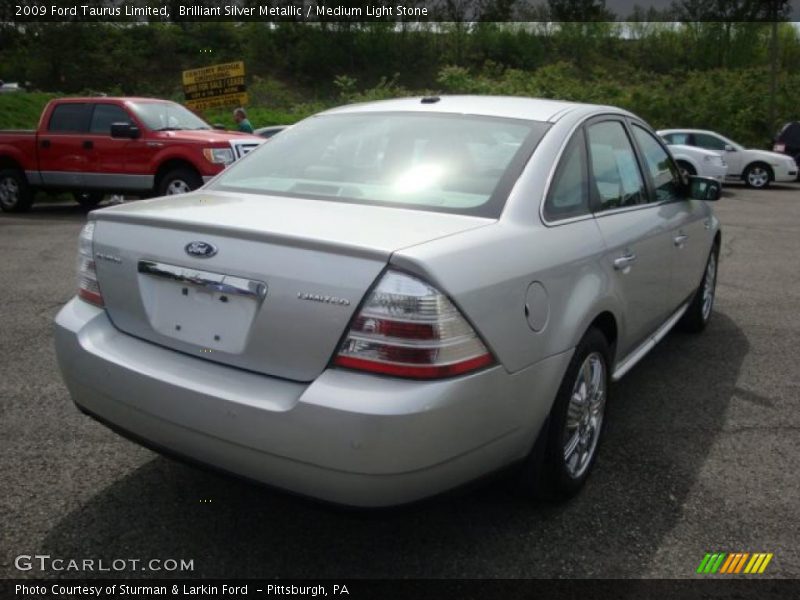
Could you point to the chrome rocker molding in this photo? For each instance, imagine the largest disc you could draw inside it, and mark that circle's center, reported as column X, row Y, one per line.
column 639, row 353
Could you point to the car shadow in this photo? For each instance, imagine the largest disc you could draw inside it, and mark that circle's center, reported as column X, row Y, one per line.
column 663, row 419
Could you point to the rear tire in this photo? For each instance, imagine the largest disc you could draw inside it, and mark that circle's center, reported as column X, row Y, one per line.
column 88, row 199
column 179, row 181
column 698, row 314
column 566, row 449
column 15, row 193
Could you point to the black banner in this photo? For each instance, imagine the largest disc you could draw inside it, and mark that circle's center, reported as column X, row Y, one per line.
column 408, row 11
column 416, row 589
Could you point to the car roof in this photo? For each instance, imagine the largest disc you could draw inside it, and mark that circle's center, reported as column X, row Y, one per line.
column 686, row 130
column 511, row 107
column 79, row 99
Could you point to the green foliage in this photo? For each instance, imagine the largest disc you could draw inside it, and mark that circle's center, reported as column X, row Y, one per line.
column 710, row 74
column 22, row 110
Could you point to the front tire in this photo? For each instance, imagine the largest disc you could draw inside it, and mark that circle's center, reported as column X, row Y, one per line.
column 15, row 193
column 179, row 181
column 566, row 450
column 757, row 176
column 698, row 314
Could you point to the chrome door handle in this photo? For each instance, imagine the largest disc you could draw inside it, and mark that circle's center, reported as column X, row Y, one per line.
column 680, row 239
column 707, row 224
column 624, row 261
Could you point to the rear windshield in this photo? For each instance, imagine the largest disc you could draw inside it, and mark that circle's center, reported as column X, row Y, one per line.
column 440, row 162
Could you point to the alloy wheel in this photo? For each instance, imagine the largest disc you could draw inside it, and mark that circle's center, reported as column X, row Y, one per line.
column 585, row 415
column 758, row 177
column 178, row 186
column 9, row 192
column 709, row 286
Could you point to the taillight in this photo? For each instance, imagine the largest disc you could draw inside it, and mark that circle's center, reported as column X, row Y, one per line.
column 408, row 328
column 87, row 275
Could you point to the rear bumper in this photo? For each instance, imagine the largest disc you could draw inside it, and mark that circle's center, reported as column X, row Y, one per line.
column 346, row 437
column 716, row 172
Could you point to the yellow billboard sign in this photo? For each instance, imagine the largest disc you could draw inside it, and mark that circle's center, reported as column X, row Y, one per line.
column 215, row 86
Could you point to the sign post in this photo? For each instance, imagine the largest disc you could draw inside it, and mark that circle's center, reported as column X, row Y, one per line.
column 216, row 86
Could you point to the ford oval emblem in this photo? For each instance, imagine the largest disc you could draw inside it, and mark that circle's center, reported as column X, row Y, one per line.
column 200, row 249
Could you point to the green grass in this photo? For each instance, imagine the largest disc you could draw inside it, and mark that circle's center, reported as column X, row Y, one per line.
column 21, row 110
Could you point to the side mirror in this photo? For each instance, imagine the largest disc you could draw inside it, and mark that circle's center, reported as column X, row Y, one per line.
column 704, row 188
column 125, row 130
column 729, row 148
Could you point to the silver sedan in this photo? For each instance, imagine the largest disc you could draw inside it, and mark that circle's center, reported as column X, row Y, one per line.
column 392, row 299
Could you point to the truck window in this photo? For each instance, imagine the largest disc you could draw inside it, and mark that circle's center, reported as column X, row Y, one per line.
column 70, row 118
column 106, row 114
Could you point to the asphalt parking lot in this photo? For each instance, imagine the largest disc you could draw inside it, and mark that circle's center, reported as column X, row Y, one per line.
column 700, row 455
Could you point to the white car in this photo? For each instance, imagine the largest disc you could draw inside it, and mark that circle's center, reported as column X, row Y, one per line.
column 757, row 168
column 697, row 161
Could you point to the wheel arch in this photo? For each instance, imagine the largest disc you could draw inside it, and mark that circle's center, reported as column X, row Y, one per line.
column 8, row 162
column 688, row 161
column 171, row 164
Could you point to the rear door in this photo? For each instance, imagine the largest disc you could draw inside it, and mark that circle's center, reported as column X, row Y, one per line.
column 688, row 221
column 637, row 237
column 62, row 158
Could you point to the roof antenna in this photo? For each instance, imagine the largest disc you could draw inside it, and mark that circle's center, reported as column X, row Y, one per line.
column 430, row 100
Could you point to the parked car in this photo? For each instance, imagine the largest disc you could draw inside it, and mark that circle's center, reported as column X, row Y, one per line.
column 9, row 88
column 394, row 298
column 97, row 146
column 788, row 141
column 697, row 161
column 757, row 168
column 268, row 132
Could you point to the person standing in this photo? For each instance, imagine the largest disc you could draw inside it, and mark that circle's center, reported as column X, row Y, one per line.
column 242, row 123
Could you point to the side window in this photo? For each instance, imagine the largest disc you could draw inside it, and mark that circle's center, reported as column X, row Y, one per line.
column 70, row 118
column 569, row 192
column 666, row 177
column 615, row 173
column 710, row 142
column 677, row 138
column 106, row 114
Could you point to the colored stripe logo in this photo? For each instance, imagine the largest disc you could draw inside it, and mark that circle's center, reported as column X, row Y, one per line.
column 734, row 563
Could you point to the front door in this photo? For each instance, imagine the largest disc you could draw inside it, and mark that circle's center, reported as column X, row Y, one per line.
column 687, row 220
column 638, row 244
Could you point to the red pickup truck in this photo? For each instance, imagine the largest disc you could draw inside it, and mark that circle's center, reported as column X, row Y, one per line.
column 97, row 146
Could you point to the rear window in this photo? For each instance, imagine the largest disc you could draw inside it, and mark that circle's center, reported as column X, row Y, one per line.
column 70, row 117
column 427, row 161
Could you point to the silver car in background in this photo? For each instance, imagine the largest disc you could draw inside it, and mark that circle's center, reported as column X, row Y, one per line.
column 391, row 299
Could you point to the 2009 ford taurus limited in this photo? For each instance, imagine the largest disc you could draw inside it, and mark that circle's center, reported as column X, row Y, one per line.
column 392, row 299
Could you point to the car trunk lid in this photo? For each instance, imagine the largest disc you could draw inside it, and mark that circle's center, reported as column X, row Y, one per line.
column 263, row 283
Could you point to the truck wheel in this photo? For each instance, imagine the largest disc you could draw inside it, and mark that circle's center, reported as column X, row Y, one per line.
column 179, row 181
column 15, row 193
column 88, row 199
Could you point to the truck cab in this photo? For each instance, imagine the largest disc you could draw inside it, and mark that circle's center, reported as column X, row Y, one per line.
column 97, row 146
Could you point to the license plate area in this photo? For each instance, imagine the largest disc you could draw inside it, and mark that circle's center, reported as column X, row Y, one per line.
column 211, row 310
